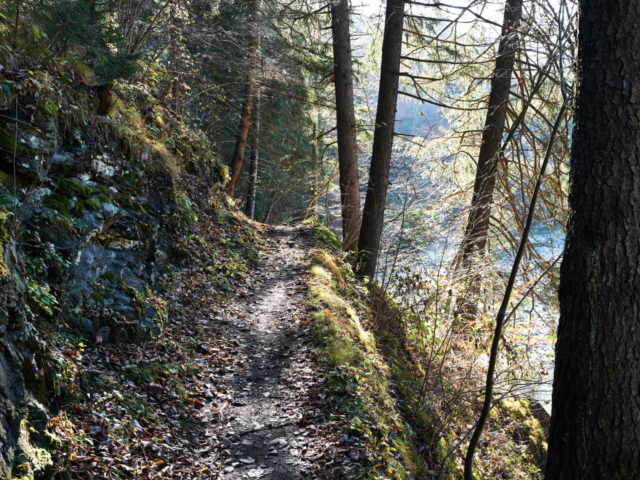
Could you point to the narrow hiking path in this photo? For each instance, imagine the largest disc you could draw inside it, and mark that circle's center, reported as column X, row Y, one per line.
column 270, row 423
column 229, row 391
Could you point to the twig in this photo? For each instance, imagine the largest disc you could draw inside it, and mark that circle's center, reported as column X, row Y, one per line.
column 16, row 120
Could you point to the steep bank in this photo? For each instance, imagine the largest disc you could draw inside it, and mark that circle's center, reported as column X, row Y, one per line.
column 94, row 200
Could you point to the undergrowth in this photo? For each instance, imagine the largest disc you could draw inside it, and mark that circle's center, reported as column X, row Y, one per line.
column 376, row 380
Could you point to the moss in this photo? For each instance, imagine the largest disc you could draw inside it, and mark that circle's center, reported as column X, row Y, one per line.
column 71, row 187
column 529, row 429
column 223, row 174
column 57, row 202
column 92, row 204
column 7, row 142
column 138, row 206
column 160, row 308
column 50, row 440
column 80, row 69
column 104, row 190
column 104, row 198
column 109, row 276
column 30, row 456
column 98, row 296
column 4, row 233
column 47, row 109
column 33, row 49
column 42, row 394
column 130, row 177
column 140, row 304
column 6, row 181
column 361, row 377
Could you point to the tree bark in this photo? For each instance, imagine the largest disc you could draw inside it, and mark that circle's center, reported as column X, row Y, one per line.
column 346, row 124
column 376, row 199
column 595, row 423
column 253, row 171
column 245, row 114
column 475, row 238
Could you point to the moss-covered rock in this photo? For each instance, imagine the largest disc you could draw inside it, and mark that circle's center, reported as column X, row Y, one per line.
column 32, row 457
column 57, row 202
column 73, row 187
column 7, row 141
column 92, row 204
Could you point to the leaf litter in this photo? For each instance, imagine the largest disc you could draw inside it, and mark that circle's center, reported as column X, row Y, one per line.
column 229, row 390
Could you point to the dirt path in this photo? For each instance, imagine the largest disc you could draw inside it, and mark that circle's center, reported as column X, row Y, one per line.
column 269, row 426
column 229, row 391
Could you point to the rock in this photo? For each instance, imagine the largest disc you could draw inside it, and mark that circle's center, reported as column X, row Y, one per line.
column 18, row 409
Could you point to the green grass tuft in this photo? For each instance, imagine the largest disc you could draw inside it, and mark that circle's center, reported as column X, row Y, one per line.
column 326, row 236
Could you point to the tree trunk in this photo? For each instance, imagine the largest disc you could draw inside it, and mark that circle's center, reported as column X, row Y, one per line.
column 346, row 124
column 314, row 160
column 375, row 202
column 595, row 423
column 253, row 172
column 245, row 114
column 477, row 229
column 18, row 8
column 478, row 224
column 175, row 59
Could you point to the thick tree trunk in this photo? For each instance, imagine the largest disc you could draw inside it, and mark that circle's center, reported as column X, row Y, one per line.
column 595, row 423
column 245, row 114
column 475, row 237
column 375, row 202
column 253, row 171
column 346, row 124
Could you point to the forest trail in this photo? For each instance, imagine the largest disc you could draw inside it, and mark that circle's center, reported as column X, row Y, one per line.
column 267, row 425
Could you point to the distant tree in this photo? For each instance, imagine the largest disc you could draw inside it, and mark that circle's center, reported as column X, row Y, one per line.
column 253, row 167
column 375, row 202
column 346, row 124
column 314, row 163
column 595, row 422
column 245, row 114
column 475, row 237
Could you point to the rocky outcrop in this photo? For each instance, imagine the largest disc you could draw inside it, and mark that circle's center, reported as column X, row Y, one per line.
column 90, row 218
column 24, row 440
